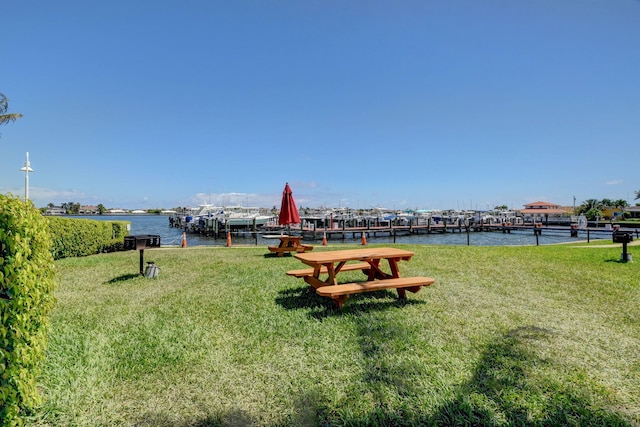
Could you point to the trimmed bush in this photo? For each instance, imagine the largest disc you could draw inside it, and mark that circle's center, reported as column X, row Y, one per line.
column 27, row 281
column 73, row 237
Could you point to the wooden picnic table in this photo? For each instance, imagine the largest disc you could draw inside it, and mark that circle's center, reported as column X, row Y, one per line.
column 368, row 261
column 290, row 244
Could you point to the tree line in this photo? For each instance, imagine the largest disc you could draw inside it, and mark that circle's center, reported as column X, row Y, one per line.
column 72, row 208
column 594, row 208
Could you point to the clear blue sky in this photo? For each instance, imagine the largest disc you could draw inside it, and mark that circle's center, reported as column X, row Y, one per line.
column 401, row 104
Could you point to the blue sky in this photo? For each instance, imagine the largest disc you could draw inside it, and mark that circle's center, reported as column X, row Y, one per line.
column 410, row 104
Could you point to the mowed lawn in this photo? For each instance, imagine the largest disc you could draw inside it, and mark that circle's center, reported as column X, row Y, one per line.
column 545, row 335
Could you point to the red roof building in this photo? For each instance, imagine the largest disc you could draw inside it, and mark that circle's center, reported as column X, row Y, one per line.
column 543, row 208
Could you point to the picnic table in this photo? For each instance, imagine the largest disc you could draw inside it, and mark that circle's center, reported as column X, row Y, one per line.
column 331, row 263
column 290, row 244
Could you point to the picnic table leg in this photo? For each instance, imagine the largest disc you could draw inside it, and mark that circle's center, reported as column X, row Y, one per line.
column 393, row 265
column 375, row 272
column 339, row 267
column 331, row 280
column 340, row 300
column 314, row 282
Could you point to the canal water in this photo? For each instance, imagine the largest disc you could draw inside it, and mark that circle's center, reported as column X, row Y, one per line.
column 169, row 236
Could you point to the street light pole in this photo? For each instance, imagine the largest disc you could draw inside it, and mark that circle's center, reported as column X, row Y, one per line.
column 26, row 169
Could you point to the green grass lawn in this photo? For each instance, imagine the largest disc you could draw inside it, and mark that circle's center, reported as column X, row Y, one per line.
column 545, row 335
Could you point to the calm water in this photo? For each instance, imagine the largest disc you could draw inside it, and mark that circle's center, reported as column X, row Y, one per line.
column 159, row 224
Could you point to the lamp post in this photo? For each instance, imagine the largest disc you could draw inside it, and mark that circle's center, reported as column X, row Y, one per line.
column 26, row 169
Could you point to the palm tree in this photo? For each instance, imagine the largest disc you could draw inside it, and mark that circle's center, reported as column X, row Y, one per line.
column 637, row 195
column 591, row 208
column 620, row 203
column 590, row 204
column 4, row 106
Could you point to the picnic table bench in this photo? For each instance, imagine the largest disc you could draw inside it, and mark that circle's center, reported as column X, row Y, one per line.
column 340, row 293
column 368, row 261
column 290, row 244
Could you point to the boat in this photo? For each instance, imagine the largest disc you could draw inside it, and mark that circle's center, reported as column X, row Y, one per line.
column 211, row 218
column 240, row 219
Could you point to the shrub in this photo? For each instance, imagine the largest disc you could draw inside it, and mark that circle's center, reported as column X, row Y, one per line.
column 27, row 281
column 74, row 237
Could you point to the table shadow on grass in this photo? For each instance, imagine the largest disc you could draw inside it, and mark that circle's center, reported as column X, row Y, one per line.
column 275, row 255
column 306, row 298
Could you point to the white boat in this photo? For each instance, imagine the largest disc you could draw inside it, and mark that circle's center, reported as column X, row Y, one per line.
column 205, row 217
column 245, row 219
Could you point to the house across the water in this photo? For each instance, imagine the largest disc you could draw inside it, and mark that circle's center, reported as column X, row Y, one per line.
column 543, row 212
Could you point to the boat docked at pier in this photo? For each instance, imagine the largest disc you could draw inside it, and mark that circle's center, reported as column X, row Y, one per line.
column 211, row 219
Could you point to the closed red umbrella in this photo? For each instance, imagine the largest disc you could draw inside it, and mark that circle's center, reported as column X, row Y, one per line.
column 288, row 210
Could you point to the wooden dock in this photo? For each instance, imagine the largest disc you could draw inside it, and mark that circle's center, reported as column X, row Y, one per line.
column 344, row 229
column 406, row 230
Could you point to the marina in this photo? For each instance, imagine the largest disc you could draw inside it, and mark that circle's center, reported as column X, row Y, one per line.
column 536, row 226
column 416, row 233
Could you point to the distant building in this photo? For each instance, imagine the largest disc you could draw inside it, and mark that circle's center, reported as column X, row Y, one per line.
column 55, row 210
column 634, row 211
column 88, row 210
column 535, row 212
column 610, row 212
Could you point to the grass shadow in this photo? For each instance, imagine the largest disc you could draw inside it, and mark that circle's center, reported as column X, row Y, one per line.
column 359, row 309
column 506, row 389
column 305, row 298
column 275, row 255
column 617, row 261
column 234, row 417
column 123, row 278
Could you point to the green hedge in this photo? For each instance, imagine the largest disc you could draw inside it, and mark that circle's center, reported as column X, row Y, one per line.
column 73, row 237
column 27, row 282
